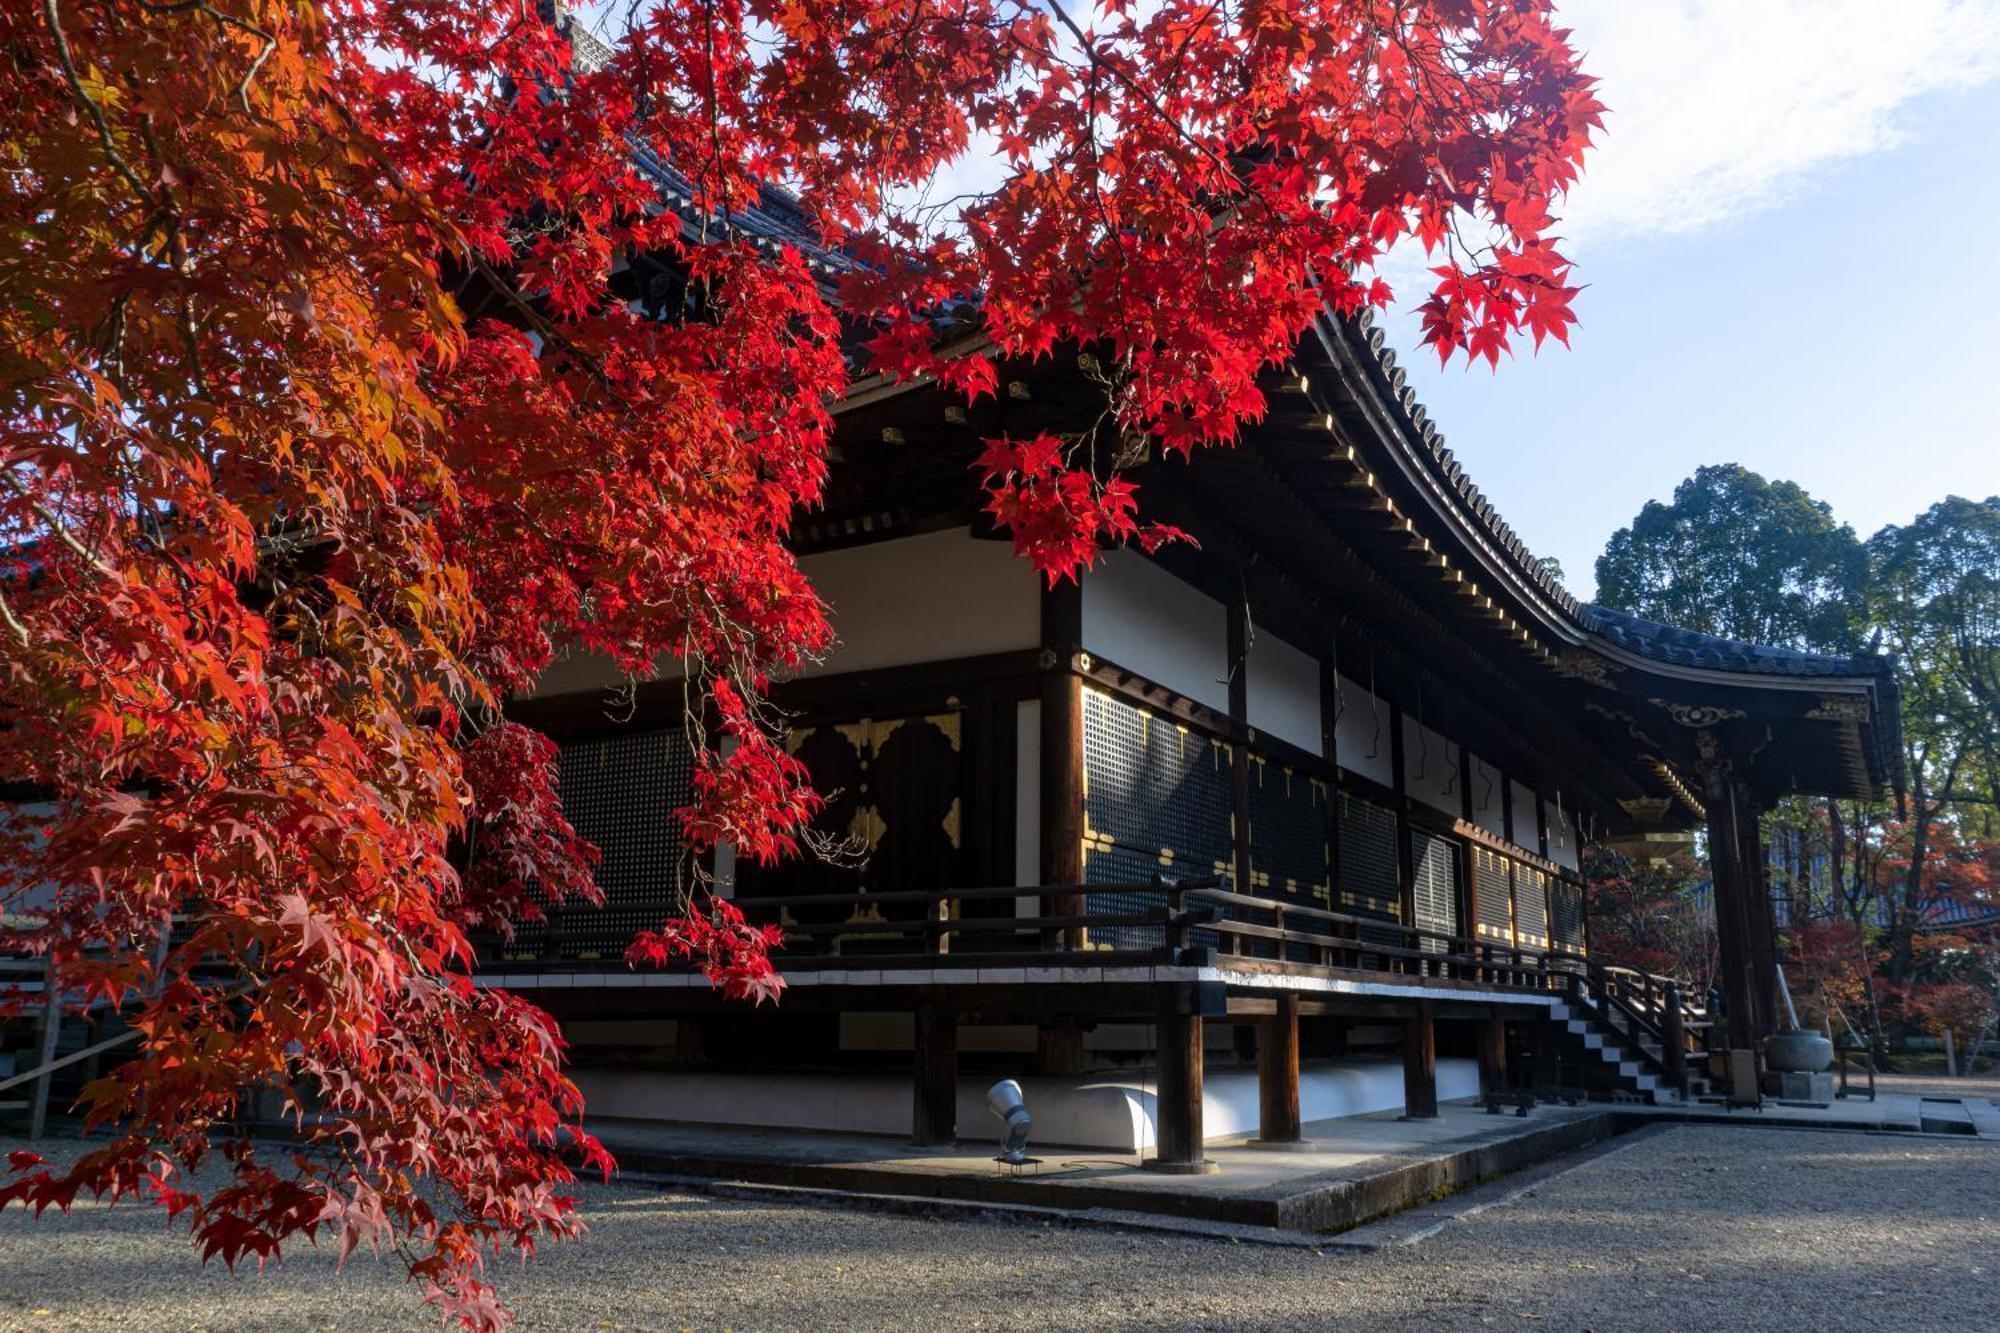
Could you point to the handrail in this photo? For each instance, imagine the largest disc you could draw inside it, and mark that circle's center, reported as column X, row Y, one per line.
column 1652, row 1006
column 1196, row 919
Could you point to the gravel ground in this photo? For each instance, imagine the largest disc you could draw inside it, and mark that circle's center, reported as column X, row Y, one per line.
column 1700, row 1228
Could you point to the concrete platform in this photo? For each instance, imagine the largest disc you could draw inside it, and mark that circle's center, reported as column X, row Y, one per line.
column 1890, row 1112
column 1353, row 1170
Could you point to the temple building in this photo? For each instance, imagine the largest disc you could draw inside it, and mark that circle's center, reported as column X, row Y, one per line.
column 1279, row 824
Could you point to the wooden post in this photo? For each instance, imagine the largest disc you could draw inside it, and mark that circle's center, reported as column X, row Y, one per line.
column 1507, row 833
column 1548, row 1064
column 1330, row 704
column 1757, row 910
column 1468, row 871
column 1406, row 877
column 38, row 1105
column 1420, row 1088
column 1177, row 1114
column 1493, row 1056
column 1673, row 1031
column 1062, row 759
column 1278, row 1074
column 1059, row 1049
column 934, row 1109
column 689, row 1047
column 1732, row 921
column 1237, row 634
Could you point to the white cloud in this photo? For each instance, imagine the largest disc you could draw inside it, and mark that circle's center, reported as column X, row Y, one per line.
column 1721, row 108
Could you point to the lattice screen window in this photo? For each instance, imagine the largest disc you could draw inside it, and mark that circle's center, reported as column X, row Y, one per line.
column 1434, row 882
column 1156, row 802
column 1566, row 916
column 620, row 791
column 1496, row 896
column 1531, row 912
column 1367, row 858
column 1288, row 849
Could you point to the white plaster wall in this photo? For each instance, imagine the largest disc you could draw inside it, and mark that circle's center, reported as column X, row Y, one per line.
column 1283, row 692
column 1364, row 726
column 1562, row 834
column 575, row 671
column 1430, row 767
column 1525, row 833
column 925, row 599
column 1142, row 618
column 1088, row 1111
column 1489, row 802
column 1229, row 1103
column 928, row 598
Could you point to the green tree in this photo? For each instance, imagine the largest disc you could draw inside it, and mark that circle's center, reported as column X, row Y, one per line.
column 1742, row 557
column 1935, row 590
column 1934, row 593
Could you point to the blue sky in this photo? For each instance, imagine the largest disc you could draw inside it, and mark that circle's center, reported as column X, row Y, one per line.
column 1791, row 266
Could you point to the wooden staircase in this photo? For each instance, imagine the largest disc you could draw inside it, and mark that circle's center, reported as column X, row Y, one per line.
column 1637, row 1034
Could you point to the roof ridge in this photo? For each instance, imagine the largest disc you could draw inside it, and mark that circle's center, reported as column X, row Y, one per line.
column 1447, row 467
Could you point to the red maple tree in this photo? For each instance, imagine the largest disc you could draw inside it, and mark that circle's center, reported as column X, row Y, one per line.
column 286, row 526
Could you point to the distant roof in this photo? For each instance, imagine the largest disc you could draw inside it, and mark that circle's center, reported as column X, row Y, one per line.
column 1686, row 647
column 776, row 219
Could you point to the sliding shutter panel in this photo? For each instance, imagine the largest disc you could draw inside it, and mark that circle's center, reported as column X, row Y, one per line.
column 1434, row 862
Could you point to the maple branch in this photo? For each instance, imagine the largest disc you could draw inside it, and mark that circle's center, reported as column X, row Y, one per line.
column 14, row 622
column 58, row 527
column 478, row 262
column 1151, row 102
column 53, row 18
column 242, row 93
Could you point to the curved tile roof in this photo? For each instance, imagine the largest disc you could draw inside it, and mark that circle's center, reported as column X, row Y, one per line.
column 1686, row 647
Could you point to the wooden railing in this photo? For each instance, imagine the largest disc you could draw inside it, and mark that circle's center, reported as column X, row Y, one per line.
column 1174, row 922
column 1343, row 941
column 1656, row 1016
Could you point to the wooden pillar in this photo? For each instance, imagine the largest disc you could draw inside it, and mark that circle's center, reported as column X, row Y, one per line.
column 1548, row 1060
column 1493, row 1056
column 1330, row 704
column 1059, row 1049
column 1732, row 921
column 1673, row 1037
column 1278, row 1074
column 1758, row 911
column 38, row 1103
column 1420, row 1088
column 1237, row 654
column 1406, row 879
column 934, row 1109
column 689, row 1046
column 1507, row 832
column 1177, row 1106
column 1061, row 819
column 1468, row 879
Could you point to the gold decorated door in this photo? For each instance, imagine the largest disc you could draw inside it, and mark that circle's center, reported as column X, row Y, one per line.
column 893, row 819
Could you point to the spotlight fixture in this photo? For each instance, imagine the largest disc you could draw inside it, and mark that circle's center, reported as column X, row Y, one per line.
column 1004, row 1100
